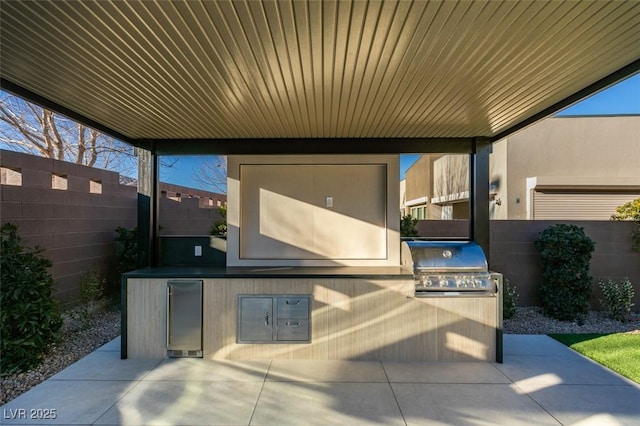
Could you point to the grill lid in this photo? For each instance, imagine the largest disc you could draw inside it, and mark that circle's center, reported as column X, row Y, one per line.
column 429, row 257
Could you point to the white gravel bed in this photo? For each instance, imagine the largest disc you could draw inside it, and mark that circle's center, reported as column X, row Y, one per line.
column 530, row 320
column 75, row 343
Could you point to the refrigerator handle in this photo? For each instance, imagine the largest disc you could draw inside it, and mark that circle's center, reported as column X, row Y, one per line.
column 169, row 294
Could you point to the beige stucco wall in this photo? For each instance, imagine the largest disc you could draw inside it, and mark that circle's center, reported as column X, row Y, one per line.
column 599, row 150
column 498, row 182
column 278, row 214
column 419, row 178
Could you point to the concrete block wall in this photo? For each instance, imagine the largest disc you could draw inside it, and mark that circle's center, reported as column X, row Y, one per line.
column 514, row 255
column 77, row 227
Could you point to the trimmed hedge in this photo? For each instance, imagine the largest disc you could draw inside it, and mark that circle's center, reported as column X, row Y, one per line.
column 565, row 253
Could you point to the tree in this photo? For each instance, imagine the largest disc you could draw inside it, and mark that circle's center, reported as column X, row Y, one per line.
column 408, row 227
column 32, row 129
column 211, row 174
column 630, row 211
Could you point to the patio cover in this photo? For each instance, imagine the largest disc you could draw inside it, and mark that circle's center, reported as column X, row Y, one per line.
column 312, row 76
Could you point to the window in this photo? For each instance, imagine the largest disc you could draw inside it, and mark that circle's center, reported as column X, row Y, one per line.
column 95, row 186
column 11, row 177
column 58, row 182
column 419, row 213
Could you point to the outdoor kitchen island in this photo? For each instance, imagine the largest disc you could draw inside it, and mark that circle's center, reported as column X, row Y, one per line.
column 313, row 270
column 364, row 313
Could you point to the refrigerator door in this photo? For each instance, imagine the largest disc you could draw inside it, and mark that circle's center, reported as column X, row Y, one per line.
column 184, row 318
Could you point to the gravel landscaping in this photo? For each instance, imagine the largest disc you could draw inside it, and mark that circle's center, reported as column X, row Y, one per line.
column 77, row 341
column 530, row 320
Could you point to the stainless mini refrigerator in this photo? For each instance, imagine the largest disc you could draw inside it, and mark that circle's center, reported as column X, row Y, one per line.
column 184, row 318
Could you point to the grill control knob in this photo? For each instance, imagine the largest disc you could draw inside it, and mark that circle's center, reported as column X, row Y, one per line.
column 447, row 254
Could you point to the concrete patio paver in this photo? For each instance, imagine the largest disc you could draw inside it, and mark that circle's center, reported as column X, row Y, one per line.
column 541, row 382
column 327, row 403
column 295, row 370
column 467, row 404
column 433, row 372
column 185, row 403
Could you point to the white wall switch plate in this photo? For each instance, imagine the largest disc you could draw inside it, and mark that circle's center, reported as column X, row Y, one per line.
column 198, row 251
column 328, row 202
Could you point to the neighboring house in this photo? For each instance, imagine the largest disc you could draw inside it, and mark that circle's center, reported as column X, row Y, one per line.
column 578, row 168
column 419, row 189
column 437, row 187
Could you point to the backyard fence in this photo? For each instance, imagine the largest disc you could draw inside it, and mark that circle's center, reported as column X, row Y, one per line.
column 72, row 211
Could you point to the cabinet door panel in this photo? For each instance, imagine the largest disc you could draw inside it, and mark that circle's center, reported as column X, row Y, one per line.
column 256, row 319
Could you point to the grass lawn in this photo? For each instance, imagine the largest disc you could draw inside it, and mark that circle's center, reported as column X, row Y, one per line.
column 620, row 352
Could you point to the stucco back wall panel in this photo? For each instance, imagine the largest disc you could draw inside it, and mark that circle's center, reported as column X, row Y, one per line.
column 278, row 213
column 287, row 216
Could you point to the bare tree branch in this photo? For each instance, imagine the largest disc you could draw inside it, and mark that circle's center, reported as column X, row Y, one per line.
column 32, row 129
column 93, row 139
column 211, row 174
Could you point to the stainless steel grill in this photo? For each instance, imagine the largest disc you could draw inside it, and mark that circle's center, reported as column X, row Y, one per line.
column 450, row 267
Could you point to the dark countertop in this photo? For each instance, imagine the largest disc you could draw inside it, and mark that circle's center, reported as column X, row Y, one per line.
column 347, row 272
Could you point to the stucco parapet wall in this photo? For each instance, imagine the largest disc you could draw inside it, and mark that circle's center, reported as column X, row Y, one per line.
column 609, row 183
column 449, row 198
column 417, row 201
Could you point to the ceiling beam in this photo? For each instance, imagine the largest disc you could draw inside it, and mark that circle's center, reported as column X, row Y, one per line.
column 611, row 79
column 283, row 146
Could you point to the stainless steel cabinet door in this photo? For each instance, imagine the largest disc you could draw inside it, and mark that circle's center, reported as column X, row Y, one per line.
column 255, row 319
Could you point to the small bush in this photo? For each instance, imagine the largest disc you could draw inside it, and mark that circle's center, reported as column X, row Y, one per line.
column 565, row 253
column 29, row 317
column 617, row 298
column 126, row 249
column 219, row 227
column 92, row 287
column 509, row 300
column 408, row 227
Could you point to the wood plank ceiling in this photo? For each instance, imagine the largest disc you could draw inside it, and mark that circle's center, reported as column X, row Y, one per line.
column 313, row 69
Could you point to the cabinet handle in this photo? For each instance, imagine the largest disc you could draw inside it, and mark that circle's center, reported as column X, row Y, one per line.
column 266, row 319
column 291, row 303
column 293, row 323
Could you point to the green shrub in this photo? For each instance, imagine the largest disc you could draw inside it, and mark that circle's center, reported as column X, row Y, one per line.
column 509, row 300
column 565, row 253
column 92, row 287
column 29, row 317
column 219, row 227
column 408, row 227
column 126, row 249
column 617, row 298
